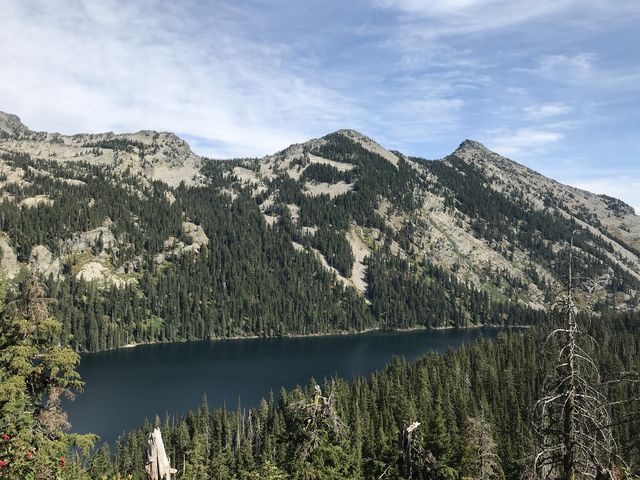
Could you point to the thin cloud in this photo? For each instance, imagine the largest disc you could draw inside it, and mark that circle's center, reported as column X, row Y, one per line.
column 450, row 17
column 534, row 80
column 116, row 67
column 475, row 16
column 584, row 70
column 523, row 140
column 541, row 112
column 563, row 68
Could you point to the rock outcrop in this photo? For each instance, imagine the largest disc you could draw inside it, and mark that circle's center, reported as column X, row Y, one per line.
column 42, row 261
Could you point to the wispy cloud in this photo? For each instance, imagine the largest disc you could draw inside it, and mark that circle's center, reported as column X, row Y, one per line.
column 584, row 69
column 451, row 17
column 546, row 111
column 123, row 66
column 562, row 65
column 470, row 16
column 523, row 141
column 542, row 82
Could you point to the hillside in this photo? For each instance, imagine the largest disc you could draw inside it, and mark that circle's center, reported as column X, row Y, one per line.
column 142, row 240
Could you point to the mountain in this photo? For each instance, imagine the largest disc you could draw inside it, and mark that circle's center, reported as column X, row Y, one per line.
column 141, row 240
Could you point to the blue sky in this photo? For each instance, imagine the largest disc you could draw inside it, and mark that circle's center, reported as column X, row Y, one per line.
column 552, row 84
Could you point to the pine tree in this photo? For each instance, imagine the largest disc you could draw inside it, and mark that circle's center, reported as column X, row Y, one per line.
column 35, row 372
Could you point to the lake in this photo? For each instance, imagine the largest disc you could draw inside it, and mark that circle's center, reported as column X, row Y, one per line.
column 123, row 387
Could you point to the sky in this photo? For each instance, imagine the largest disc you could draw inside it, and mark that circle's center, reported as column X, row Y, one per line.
column 552, row 84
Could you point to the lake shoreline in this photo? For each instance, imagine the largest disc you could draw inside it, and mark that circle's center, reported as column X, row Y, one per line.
column 310, row 335
column 124, row 386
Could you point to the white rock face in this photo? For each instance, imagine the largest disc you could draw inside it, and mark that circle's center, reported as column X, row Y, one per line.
column 10, row 125
column 343, row 167
column 42, row 261
column 95, row 271
column 154, row 155
column 35, row 201
column 12, row 175
column 173, row 246
column 87, row 240
column 442, row 235
column 512, row 178
column 332, row 189
column 8, row 258
column 360, row 252
column 197, row 235
column 170, row 197
column 246, row 176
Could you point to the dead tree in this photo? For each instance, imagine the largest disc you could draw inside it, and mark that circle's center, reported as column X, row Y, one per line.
column 573, row 417
column 158, row 466
column 486, row 461
column 415, row 462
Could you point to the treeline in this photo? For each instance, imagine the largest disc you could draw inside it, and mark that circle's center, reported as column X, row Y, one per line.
column 124, row 144
column 476, row 396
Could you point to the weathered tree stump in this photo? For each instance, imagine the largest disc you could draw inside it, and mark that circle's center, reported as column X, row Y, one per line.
column 158, row 466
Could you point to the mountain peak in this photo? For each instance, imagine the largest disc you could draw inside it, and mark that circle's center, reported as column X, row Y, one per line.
column 349, row 132
column 11, row 125
column 472, row 145
column 369, row 144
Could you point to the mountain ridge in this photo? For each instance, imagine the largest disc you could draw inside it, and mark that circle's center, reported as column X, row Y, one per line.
column 376, row 230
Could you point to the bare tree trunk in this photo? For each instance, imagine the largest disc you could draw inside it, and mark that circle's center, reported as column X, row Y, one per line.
column 569, row 433
column 573, row 422
column 158, row 466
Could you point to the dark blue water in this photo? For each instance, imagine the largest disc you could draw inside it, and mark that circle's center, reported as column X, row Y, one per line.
column 124, row 387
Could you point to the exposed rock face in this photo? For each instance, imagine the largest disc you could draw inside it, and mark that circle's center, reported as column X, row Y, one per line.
column 11, row 126
column 101, row 236
column 42, row 261
column 11, row 175
column 196, row 234
column 8, row 258
column 613, row 218
column 370, row 145
column 95, row 271
column 444, row 235
column 170, row 197
column 331, row 189
column 360, row 252
column 173, row 246
column 435, row 229
column 35, row 201
column 154, row 155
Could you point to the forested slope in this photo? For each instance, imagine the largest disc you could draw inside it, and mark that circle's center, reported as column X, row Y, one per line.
column 475, row 397
column 140, row 240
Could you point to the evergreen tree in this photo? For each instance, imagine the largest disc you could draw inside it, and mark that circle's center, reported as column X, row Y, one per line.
column 35, row 372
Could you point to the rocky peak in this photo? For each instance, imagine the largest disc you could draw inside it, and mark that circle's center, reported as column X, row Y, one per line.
column 474, row 152
column 154, row 155
column 472, row 145
column 11, row 125
column 354, row 134
column 369, row 144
